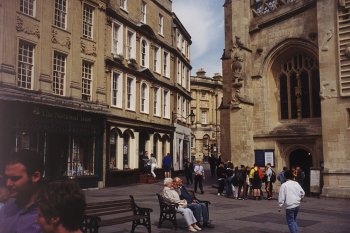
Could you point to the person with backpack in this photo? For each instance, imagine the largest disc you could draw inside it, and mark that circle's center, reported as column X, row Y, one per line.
column 255, row 180
column 270, row 178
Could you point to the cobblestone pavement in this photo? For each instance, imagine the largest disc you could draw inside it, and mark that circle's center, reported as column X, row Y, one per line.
column 316, row 215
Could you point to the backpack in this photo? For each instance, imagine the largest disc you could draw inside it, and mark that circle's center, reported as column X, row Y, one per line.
column 256, row 176
column 273, row 176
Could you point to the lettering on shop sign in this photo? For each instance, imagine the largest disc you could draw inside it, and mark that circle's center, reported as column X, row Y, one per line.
column 61, row 115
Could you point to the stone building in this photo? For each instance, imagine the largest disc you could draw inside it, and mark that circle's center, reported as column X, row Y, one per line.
column 206, row 99
column 286, row 88
column 91, row 84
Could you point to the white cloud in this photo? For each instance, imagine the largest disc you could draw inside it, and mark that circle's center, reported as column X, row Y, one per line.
column 203, row 19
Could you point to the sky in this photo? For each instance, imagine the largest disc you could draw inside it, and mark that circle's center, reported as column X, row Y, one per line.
column 204, row 21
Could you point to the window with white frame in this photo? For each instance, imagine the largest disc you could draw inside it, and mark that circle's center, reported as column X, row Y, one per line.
column 156, row 101
column 178, row 71
column 86, row 80
column 184, row 106
column 204, row 117
column 193, row 141
column 178, row 39
column 166, row 64
column 188, row 51
column 144, row 53
column 59, row 73
column 144, row 98
column 156, row 59
column 183, row 44
column 124, row 4
column 130, row 45
column 25, row 65
column 178, row 105
column 183, row 82
column 88, row 18
column 161, row 25
column 28, row 7
column 143, row 12
column 117, row 38
column 166, row 104
column 61, row 13
column 117, row 89
column 130, row 93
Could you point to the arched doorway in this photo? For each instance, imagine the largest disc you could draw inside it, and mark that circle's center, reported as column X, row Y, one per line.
column 303, row 159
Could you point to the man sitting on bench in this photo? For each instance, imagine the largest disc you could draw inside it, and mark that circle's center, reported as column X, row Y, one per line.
column 199, row 209
column 170, row 194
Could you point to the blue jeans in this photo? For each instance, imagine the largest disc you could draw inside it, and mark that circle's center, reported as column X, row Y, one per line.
column 199, row 210
column 291, row 216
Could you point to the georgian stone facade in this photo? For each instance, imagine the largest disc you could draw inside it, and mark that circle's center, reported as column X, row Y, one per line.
column 286, row 88
column 207, row 96
column 92, row 84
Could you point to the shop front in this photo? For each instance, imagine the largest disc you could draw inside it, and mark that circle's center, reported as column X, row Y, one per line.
column 70, row 141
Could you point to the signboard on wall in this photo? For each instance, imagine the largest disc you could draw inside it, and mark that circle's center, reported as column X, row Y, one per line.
column 315, row 180
column 263, row 157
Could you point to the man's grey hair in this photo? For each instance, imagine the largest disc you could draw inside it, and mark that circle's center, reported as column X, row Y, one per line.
column 176, row 179
column 168, row 180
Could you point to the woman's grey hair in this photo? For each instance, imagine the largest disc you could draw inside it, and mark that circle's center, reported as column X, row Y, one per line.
column 168, row 180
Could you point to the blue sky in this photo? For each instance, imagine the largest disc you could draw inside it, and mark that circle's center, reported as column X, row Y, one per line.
column 204, row 20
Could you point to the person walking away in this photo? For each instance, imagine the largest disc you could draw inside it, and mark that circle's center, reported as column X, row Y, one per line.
column 268, row 183
column 198, row 176
column 221, row 175
column 61, row 207
column 188, row 167
column 172, row 196
column 153, row 162
column 290, row 195
column 23, row 175
column 167, row 165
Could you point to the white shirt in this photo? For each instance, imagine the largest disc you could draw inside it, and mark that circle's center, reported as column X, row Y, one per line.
column 290, row 194
column 198, row 170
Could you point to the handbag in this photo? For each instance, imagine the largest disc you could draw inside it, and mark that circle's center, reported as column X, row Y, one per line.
column 183, row 203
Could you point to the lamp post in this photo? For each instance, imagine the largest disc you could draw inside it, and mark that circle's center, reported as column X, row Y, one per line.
column 192, row 117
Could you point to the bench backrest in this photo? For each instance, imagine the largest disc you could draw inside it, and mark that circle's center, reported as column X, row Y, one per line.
column 110, row 207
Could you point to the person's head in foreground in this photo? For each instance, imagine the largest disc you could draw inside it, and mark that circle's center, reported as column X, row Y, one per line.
column 61, row 207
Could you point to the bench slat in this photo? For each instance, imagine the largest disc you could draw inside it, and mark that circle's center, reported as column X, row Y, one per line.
column 109, row 222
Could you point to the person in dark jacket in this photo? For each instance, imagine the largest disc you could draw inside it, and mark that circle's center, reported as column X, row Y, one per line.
column 188, row 167
column 221, row 175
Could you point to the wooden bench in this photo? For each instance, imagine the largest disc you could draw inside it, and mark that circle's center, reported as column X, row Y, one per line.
column 110, row 213
column 168, row 210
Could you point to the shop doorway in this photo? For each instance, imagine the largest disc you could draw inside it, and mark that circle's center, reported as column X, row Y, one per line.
column 303, row 159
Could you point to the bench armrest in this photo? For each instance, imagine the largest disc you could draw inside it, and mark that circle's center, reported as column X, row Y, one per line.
column 90, row 224
column 140, row 210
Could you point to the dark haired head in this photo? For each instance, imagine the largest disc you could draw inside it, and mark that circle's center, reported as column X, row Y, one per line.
column 31, row 160
column 288, row 175
column 63, row 199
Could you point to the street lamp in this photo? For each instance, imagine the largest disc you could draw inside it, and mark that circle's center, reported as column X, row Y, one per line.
column 192, row 117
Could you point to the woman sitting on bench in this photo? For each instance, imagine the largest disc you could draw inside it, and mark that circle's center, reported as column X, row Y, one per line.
column 170, row 194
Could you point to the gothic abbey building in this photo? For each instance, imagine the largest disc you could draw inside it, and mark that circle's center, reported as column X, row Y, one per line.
column 286, row 88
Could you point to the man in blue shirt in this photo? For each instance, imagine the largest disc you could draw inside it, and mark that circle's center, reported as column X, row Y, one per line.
column 199, row 209
column 23, row 174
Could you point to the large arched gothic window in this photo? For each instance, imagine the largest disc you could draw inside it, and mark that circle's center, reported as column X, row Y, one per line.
column 299, row 88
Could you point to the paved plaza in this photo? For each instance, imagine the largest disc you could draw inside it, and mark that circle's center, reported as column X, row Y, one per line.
column 317, row 215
